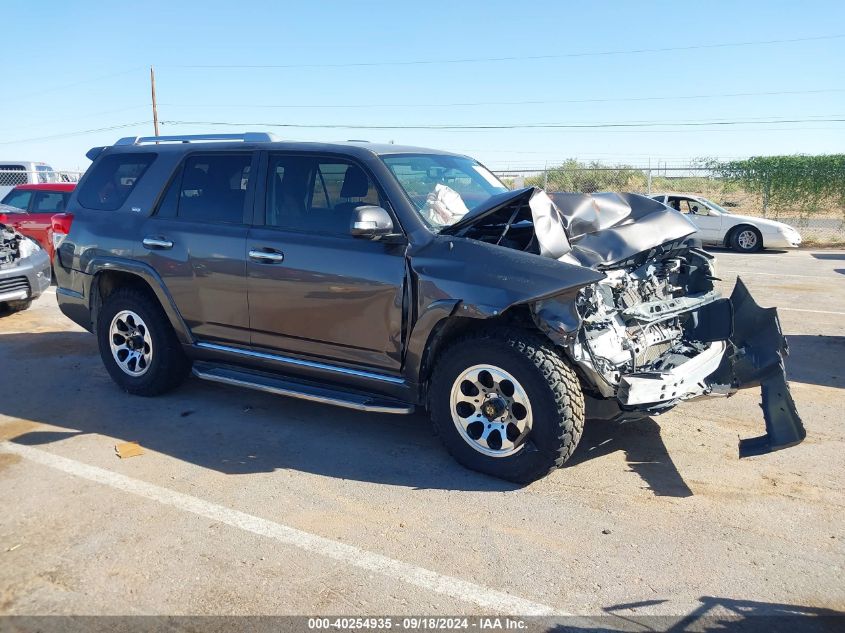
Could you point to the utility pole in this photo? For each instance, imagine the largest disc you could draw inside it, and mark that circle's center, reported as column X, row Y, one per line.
column 155, row 108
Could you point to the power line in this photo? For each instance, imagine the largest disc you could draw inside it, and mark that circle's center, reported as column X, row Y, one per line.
column 369, row 106
column 517, row 126
column 78, row 133
column 88, row 115
column 469, row 60
column 71, row 85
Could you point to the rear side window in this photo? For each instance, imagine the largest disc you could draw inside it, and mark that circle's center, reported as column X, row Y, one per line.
column 48, row 202
column 212, row 188
column 112, row 180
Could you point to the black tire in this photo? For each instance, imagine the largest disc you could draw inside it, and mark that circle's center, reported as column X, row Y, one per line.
column 553, row 390
column 740, row 248
column 169, row 366
column 19, row 306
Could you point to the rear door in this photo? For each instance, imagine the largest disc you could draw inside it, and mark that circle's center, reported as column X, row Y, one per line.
column 196, row 241
column 314, row 289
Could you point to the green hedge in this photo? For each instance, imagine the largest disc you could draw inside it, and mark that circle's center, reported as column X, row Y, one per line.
column 803, row 181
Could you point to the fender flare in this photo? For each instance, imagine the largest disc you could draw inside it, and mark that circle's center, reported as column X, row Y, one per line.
column 103, row 264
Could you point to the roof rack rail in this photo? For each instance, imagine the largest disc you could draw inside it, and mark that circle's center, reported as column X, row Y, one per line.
column 246, row 137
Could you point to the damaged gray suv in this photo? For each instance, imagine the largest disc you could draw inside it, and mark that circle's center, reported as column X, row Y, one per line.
column 385, row 278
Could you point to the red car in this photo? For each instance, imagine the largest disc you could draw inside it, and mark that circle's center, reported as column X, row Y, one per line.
column 29, row 209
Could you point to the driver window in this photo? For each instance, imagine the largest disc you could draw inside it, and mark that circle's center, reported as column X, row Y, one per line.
column 696, row 207
column 316, row 196
column 678, row 205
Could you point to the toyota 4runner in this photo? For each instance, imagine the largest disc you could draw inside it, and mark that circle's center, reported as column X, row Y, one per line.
column 384, row 278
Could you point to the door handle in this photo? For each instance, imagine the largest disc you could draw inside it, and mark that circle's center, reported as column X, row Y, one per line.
column 267, row 256
column 157, row 243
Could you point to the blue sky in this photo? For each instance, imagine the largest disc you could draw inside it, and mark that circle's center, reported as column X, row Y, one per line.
column 85, row 65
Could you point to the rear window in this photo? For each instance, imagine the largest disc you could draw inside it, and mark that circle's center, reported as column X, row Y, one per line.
column 112, row 179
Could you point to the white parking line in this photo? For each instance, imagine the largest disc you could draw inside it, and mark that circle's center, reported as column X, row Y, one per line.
column 813, row 311
column 749, row 272
column 487, row 598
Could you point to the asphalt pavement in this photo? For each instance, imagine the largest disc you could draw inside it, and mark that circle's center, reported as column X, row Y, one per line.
column 246, row 503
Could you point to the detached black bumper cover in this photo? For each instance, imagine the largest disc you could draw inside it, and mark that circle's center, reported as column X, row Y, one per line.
column 756, row 358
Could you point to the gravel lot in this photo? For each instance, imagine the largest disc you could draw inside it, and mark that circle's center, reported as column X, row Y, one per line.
column 245, row 503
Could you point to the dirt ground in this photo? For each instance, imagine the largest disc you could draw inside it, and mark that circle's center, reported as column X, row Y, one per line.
column 245, row 503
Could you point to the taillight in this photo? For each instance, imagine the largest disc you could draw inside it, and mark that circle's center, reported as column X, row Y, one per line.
column 60, row 227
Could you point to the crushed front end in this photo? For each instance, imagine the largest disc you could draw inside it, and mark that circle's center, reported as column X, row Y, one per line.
column 24, row 267
column 655, row 331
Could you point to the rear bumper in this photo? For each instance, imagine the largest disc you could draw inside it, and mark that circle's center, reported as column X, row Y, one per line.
column 26, row 280
column 75, row 306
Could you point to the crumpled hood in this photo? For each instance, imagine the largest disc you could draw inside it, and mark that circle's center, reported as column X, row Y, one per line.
column 606, row 228
column 592, row 230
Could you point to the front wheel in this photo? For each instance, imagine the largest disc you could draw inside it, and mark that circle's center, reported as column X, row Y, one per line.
column 746, row 239
column 505, row 403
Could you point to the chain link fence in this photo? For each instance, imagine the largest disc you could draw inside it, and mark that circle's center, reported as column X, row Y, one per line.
column 11, row 177
column 819, row 222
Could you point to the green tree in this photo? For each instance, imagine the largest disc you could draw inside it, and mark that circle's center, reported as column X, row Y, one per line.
column 573, row 175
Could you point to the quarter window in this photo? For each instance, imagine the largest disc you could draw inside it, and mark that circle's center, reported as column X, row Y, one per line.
column 316, row 195
column 112, row 179
column 213, row 188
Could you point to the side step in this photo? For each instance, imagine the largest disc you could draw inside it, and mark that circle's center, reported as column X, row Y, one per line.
column 299, row 389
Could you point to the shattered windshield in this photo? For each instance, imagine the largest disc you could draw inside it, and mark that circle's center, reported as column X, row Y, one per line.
column 443, row 188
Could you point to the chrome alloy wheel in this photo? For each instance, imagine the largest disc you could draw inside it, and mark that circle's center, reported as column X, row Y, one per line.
column 131, row 347
column 490, row 410
column 747, row 239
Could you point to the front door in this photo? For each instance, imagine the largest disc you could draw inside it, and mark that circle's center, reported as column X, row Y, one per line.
column 314, row 289
column 196, row 241
column 708, row 222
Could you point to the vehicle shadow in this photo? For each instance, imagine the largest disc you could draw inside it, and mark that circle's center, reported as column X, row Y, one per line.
column 238, row 431
column 57, row 378
column 729, row 251
column 816, row 359
column 722, row 614
column 645, row 453
column 831, row 256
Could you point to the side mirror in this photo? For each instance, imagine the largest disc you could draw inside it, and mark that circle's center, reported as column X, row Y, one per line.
column 371, row 222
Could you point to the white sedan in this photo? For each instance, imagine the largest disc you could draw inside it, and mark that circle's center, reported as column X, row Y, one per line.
column 720, row 227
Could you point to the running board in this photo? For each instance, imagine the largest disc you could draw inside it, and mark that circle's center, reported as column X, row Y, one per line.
column 298, row 389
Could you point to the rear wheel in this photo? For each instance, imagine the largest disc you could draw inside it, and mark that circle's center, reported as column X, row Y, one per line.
column 505, row 403
column 746, row 239
column 138, row 345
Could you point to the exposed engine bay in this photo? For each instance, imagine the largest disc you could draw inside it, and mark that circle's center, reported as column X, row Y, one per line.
column 653, row 331
column 10, row 245
column 641, row 319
